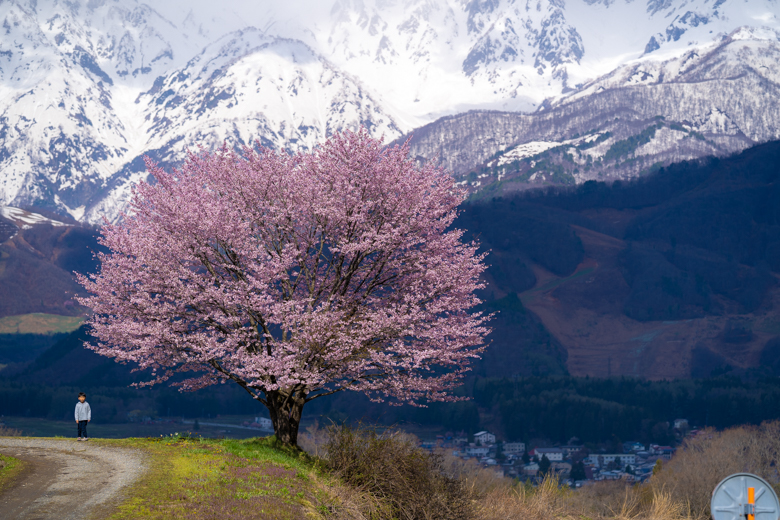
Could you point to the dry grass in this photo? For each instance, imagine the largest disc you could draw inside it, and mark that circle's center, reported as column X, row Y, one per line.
column 600, row 501
column 522, row 502
column 477, row 480
column 665, row 507
column 703, row 462
column 7, row 431
column 383, row 478
column 348, row 503
column 680, row 491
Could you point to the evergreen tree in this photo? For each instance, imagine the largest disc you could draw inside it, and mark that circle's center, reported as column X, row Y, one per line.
column 544, row 466
column 578, row 471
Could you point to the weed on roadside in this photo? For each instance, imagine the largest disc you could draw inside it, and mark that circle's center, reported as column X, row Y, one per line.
column 10, row 468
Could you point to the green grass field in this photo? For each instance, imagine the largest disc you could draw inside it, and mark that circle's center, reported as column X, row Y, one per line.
column 39, row 323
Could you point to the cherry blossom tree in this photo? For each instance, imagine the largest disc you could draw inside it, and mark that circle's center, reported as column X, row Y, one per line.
column 294, row 276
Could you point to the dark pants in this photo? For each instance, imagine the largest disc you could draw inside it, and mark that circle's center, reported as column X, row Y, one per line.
column 83, row 429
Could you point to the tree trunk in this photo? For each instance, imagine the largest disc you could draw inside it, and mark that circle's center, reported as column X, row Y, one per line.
column 286, row 408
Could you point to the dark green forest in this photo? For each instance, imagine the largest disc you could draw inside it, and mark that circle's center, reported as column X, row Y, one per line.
column 551, row 407
column 594, row 410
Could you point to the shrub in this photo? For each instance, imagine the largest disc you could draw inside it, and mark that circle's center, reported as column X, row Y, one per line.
column 479, row 481
column 409, row 480
column 6, row 431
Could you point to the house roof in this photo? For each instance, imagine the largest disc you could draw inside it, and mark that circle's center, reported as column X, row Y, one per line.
column 613, row 455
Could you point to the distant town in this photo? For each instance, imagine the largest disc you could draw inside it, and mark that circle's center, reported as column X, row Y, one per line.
column 575, row 464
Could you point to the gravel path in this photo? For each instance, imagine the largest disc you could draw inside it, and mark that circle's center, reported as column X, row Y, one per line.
column 66, row 479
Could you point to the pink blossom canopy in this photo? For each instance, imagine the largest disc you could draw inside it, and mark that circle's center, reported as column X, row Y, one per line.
column 330, row 270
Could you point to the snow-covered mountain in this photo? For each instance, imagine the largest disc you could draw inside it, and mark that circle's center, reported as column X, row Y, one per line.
column 713, row 100
column 247, row 87
column 87, row 87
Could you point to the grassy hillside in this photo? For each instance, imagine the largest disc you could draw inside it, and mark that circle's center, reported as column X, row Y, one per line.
column 362, row 476
column 39, row 323
column 229, row 479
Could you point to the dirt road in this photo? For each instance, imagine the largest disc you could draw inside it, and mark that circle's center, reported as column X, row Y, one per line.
column 66, row 479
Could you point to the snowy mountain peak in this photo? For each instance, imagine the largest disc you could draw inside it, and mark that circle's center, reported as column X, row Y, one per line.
column 90, row 86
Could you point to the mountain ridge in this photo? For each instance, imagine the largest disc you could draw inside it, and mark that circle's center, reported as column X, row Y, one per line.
column 617, row 127
column 78, row 77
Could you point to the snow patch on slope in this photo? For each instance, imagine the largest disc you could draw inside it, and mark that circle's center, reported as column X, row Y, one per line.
column 26, row 219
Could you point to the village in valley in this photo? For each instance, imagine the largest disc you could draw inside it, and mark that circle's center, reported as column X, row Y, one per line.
column 575, row 464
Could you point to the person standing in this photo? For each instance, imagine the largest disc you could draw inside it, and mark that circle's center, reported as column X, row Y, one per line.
column 83, row 416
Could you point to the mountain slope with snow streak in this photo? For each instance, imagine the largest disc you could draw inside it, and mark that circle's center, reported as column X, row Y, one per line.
column 644, row 115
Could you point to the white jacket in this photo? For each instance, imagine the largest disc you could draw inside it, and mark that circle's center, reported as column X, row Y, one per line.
column 83, row 411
